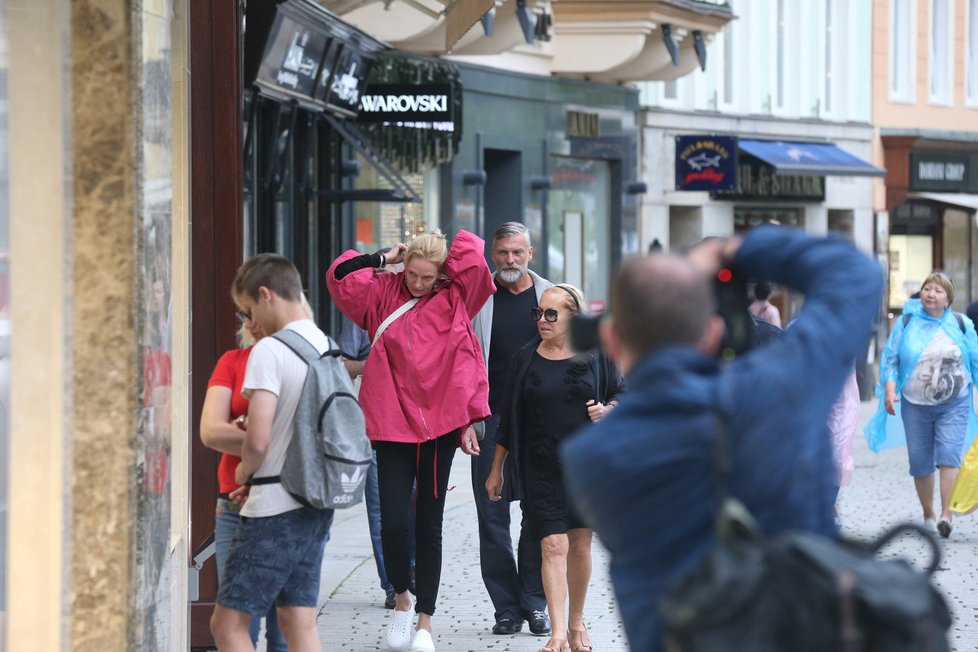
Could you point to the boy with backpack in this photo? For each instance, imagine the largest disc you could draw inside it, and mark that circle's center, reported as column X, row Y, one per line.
column 277, row 552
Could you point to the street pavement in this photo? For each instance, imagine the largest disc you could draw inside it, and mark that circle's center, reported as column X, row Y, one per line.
column 352, row 617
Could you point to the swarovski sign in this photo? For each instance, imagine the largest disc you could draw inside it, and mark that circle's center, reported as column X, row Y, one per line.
column 406, row 103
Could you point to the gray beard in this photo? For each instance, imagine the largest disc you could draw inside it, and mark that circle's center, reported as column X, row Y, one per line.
column 511, row 275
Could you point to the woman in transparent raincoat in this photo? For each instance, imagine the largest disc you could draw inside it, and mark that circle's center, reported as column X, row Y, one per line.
column 927, row 372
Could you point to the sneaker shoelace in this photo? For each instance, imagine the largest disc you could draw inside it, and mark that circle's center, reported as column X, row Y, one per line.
column 538, row 615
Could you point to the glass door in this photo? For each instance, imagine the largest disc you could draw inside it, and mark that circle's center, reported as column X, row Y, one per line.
column 579, row 227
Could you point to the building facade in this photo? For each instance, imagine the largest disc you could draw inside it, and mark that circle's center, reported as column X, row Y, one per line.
column 925, row 114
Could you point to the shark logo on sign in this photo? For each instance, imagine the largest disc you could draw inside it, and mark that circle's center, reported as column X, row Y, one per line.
column 705, row 162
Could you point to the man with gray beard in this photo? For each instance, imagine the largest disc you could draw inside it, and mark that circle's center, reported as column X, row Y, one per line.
column 503, row 326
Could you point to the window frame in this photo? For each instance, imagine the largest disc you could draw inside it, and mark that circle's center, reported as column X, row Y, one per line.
column 901, row 95
column 971, row 54
column 945, row 97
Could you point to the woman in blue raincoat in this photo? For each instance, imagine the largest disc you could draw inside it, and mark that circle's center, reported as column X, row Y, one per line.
column 927, row 371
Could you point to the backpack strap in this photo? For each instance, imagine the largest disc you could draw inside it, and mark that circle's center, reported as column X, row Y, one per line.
column 957, row 315
column 304, row 348
column 391, row 318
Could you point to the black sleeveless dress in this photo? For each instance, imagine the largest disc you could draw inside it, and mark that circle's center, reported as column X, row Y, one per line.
column 554, row 394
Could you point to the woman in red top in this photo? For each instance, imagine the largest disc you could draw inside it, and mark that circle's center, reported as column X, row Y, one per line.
column 222, row 427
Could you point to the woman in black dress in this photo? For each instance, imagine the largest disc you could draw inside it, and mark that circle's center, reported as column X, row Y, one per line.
column 552, row 392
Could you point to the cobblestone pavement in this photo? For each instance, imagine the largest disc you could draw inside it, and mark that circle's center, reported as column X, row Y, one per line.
column 352, row 617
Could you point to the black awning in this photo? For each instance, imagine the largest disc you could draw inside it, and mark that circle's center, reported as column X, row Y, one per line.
column 400, row 191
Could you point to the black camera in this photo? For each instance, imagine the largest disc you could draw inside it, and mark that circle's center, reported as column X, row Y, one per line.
column 730, row 290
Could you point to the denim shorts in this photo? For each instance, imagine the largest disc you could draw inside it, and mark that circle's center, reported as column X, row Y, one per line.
column 275, row 560
column 935, row 433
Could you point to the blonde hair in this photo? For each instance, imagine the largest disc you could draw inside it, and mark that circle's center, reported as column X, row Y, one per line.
column 571, row 297
column 428, row 246
column 942, row 279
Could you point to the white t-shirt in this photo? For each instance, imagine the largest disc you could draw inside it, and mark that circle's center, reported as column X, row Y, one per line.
column 274, row 367
column 940, row 375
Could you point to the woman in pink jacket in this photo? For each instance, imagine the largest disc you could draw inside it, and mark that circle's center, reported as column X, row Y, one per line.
column 424, row 383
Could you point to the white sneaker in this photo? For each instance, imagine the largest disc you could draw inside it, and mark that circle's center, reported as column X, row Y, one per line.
column 399, row 630
column 422, row 642
column 930, row 524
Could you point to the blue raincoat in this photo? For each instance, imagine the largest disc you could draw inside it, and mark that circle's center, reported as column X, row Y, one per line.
column 900, row 357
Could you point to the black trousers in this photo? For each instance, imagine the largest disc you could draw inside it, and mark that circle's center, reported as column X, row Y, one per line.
column 514, row 584
column 397, row 467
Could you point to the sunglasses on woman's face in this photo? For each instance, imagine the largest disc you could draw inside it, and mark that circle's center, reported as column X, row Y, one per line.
column 242, row 315
column 549, row 314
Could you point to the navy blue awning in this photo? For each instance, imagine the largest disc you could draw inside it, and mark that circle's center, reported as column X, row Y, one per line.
column 813, row 159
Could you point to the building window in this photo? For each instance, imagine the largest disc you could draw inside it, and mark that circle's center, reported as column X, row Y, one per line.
column 728, row 64
column 971, row 65
column 781, row 54
column 670, row 90
column 941, row 48
column 902, row 70
column 829, row 50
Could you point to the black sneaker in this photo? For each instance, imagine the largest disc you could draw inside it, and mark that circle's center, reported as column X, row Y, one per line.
column 391, row 599
column 507, row 626
column 539, row 623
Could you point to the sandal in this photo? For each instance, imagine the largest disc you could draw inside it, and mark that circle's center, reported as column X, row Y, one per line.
column 580, row 641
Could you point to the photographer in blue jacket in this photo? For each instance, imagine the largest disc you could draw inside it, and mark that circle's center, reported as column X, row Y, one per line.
column 644, row 478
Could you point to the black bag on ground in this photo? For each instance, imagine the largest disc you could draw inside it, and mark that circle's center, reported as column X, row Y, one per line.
column 802, row 592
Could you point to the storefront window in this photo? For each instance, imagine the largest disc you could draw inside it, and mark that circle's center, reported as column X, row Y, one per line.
column 380, row 224
column 911, row 260
column 153, row 563
column 578, row 237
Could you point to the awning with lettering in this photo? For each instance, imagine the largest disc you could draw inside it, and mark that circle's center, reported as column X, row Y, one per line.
column 813, row 159
column 957, row 199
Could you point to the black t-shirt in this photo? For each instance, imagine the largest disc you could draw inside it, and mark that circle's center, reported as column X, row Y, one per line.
column 512, row 327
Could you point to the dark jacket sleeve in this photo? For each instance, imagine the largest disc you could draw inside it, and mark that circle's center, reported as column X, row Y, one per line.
column 615, row 383
column 357, row 262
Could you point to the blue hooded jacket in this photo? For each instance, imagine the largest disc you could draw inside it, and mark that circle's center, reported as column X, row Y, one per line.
column 643, row 478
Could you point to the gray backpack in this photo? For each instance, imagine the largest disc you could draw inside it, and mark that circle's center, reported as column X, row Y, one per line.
column 328, row 458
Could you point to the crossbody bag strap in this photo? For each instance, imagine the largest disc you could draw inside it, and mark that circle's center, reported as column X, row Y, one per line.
column 391, row 318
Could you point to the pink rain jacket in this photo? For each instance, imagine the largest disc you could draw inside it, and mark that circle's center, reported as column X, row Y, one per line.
column 426, row 376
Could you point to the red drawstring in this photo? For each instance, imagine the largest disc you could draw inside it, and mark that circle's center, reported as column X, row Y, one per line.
column 417, row 474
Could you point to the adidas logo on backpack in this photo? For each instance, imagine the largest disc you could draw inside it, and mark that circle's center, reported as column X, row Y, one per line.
column 327, row 459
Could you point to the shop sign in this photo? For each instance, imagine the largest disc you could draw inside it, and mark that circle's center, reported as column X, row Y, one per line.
column 758, row 181
column 313, row 58
column 939, row 171
column 581, row 124
column 706, row 163
column 408, row 105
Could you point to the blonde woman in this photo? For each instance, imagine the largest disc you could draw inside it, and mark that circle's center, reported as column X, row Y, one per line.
column 424, row 384
column 552, row 392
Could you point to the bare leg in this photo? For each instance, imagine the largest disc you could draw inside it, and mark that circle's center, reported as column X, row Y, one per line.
column 230, row 630
column 578, row 575
column 554, row 572
column 925, row 493
column 298, row 624
column 948, row 475
column 424, row 622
